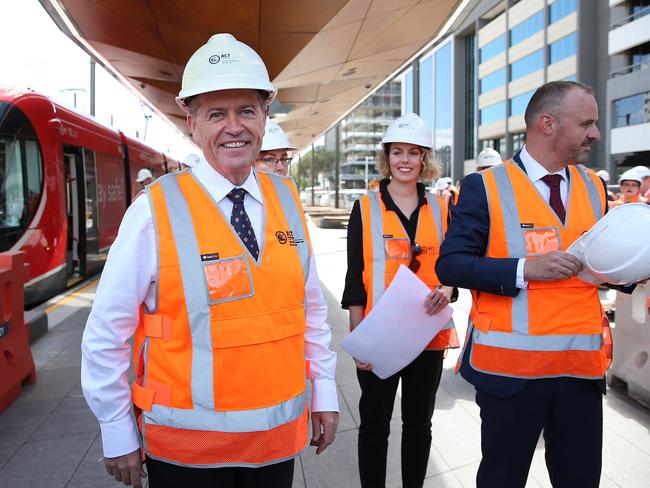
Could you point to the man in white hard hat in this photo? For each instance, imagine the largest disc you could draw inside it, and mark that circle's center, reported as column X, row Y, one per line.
column 644, row 173
column 274, row 155
column 143, row 178
column 630, row 183
column 535, row 351
column 487, row 158
column 215, row 276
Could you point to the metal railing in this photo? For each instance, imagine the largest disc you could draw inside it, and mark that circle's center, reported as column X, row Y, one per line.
column 644, row 65
column 630, row 18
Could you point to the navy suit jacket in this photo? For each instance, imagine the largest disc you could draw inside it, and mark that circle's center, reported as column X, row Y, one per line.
column 462, row 263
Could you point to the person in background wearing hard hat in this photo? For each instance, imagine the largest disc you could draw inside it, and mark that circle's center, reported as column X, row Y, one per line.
column 644, row 173
column 535, row 351
column 274, row 155
column 487, row 158
column 411, row 225
column 221, row 358
column 604, row 175
column 630, row 183
column 190, row 161
column 143, row 178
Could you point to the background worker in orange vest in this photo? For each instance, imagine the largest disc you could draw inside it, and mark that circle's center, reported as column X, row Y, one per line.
column 630, row 183
column 213, row 271
column 535, row 350
column 409, row 222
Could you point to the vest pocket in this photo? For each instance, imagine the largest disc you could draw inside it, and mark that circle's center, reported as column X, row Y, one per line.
column 228, row 279
column 542, row 240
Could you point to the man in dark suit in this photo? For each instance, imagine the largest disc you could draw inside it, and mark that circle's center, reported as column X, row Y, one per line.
column 534, row 349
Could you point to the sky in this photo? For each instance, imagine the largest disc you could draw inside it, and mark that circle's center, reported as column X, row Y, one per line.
column 35, row 54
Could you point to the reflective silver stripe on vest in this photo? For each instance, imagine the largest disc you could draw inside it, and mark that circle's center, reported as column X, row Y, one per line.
column 378, row 256
column 584, row 342
column 192, row 275
column 514, row 241
column 436, row 213
column 261, row 419
column 294, row 219
column 592, row 191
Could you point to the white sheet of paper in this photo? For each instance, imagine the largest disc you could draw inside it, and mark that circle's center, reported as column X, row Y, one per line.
column 397, row 329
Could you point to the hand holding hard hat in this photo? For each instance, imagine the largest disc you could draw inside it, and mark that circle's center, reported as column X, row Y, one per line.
column 616, row 249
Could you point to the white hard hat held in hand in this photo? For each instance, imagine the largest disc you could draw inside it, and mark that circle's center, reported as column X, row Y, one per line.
column 274, row 137
column 409, row 128
column 616, row 249
column 143, row 174
column 224, row 63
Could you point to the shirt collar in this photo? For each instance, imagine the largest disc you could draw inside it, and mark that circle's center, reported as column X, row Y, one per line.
column 218, row 186
column 535, row 170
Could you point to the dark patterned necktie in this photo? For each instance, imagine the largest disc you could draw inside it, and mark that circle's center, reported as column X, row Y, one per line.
column 555, row 200
column 240, row 221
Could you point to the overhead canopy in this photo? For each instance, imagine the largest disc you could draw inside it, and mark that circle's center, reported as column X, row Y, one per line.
column 323, row 55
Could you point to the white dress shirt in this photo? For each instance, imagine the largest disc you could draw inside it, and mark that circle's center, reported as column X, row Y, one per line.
column 128, row 280
column 535, row 173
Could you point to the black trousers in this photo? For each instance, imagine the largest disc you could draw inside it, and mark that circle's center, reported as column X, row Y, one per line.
column 569, row 411
column 420, row 381
column 166, row 475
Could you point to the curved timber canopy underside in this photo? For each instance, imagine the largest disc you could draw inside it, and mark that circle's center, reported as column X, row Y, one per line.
column 324, row 56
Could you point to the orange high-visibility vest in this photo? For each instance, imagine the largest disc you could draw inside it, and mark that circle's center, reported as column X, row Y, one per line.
column 220, row 375
column 386, row 246
column 623, row 199
column 552, row 328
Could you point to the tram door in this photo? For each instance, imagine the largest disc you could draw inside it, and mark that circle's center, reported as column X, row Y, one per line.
column 74, row 198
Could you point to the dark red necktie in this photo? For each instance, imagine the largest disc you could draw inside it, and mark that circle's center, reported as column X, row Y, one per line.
column 555, row 200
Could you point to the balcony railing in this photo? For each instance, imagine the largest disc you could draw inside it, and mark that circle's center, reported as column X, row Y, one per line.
column 630, row 18
column 644, row 65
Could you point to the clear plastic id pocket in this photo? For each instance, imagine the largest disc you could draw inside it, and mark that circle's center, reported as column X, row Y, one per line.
column 397, row 248
column 228, row 279
column 541, row 240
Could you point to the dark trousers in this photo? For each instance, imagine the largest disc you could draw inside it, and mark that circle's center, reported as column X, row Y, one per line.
column 569, row 411
column 420, row 381
column 166, row 475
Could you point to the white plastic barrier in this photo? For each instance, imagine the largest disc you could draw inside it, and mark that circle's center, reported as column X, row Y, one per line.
column 631, row 337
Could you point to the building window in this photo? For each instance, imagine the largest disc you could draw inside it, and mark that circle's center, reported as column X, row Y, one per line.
column 499, row 145
column 640, row 54
column 493, row 80
column 408, row 92
column 493, row 113
column 518, row 141
column 493, row 48
column 632, row 110
column 560, row 9
column 526, row 65
column 519, row 103
column 442, row 133
column 527, row 28
column 426, row 91
column 563, row 48
column 570, row 78
column 638, row 6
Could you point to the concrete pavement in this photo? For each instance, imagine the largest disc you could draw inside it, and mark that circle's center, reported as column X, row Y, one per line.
column 49, row 438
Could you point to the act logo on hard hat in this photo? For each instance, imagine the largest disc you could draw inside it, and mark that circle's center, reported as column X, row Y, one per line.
column 411, row 129
column 274, row 137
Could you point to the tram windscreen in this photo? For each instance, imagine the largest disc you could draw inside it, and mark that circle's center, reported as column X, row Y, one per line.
column 21, row 174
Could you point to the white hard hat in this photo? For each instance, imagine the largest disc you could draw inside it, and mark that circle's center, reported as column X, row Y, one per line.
column 487, row 158
column 643, row 171
column 224, row 63
column 616, row 249
column 441, row 184
column 143, row 174
column 191, row 160
column 603, row 174
column 409, row 128
column 631, row 175
column 274, row 137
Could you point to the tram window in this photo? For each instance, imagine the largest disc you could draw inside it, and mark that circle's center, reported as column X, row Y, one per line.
column 12, row 198
column 34, row 175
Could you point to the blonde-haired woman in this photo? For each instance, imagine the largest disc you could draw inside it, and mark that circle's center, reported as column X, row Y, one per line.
column 400, row 224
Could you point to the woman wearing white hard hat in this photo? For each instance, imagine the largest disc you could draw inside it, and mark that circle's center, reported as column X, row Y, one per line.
column 644, row 173
column 401, row 224
column 630, row 183
column 274, row 155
